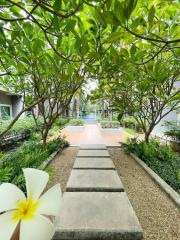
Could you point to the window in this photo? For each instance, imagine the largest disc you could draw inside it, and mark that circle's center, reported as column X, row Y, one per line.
column 5, row 112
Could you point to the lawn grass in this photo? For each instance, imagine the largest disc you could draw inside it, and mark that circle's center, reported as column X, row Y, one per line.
column 130, row 131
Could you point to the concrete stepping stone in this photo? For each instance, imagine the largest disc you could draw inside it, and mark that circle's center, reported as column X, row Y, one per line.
column 93, row 153
column 97, row 215
column 93, row 146
column 94, row 181
column 93, row 163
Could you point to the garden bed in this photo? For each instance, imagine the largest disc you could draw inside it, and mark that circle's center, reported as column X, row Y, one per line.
column 29, row 154
column 160, row 158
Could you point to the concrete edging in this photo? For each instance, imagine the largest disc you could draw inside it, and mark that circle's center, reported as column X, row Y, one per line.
column 49, row 160
column 171, row 193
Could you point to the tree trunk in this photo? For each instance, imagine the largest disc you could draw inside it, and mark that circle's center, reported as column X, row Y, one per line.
column 44, row 135
column 146, row 138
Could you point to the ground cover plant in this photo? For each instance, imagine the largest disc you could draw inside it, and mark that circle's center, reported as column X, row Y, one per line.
column 159, row 157
column 22, row 125
column 31, row 153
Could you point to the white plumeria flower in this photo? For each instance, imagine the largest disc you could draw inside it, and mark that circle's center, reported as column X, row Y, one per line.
column 29, row 212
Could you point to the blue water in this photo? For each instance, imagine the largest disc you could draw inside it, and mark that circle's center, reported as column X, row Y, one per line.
column 89, row 119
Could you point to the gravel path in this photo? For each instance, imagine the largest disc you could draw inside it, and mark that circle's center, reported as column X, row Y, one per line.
column 61, row 167
column 158, row 216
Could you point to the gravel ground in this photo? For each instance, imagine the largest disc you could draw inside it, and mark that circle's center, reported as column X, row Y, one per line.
column 61, row 167
column 158, row 216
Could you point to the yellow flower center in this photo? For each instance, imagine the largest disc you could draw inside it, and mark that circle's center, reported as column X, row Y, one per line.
column 25, row 209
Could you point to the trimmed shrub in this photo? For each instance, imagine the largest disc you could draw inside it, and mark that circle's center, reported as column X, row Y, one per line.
column 130, row 122
column 159, row 157
column 109, row 124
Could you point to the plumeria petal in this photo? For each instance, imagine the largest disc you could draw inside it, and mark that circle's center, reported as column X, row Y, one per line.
column 9, row 196
column 36, row 181
column 7, row 225
column 37, row 228
column 51, row 201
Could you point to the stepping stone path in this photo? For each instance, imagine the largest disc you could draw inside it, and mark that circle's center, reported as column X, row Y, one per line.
column 95, row 205
column 94, row 181
column 94, row 163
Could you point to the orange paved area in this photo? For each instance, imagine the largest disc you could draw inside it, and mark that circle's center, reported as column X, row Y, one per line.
column 92, row 134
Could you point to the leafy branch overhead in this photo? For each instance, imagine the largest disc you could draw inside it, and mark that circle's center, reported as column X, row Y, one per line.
column 45, row 44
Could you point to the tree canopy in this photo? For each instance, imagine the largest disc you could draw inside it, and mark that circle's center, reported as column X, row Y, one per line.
column 134, row 43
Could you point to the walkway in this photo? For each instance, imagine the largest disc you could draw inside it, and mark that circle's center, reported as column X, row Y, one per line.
column 93, row 134
column 95, row 204
column 157, row 214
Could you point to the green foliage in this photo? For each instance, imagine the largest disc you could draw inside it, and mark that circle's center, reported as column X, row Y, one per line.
column 159, row 157
column 62, row 121
column 173, row 130
column 1, row 155
column 76, row 122
column 30, row 154
column 54, row 130
column 109, row 124
column 5, row 174
column 22, row 125
column 130, row 122
column 130, row 131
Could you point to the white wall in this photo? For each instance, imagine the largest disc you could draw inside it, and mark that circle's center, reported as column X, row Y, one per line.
column 17, row 105
column 160, row 128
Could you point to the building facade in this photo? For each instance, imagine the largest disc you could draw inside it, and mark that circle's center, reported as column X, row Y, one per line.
column 10, row 105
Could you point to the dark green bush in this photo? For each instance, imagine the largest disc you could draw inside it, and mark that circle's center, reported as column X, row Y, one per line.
column 159, row 157
column 130, row 122
column 76, row 122
column 29, row 154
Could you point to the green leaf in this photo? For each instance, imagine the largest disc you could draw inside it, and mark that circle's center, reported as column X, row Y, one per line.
column 37, row 46
column 100, row 17
column 2, row 37
column 133, row 50
column 57, row 5
column 124, row 52
column 84, row 47
column 114, row 36
column 111, row 18
column 119, row 11
column 151, row 16
column 108, row 4
column 128, row 8
column 59, row 41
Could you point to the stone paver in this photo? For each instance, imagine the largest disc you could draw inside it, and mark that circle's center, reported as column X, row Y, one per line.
column 93, row 153
column 93, row 146
column 97, row 215
column 94, row 180
column 93, row 163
